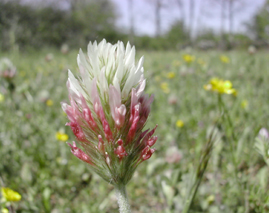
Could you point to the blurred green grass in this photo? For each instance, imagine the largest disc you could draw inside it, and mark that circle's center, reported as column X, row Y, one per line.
column 50, row 179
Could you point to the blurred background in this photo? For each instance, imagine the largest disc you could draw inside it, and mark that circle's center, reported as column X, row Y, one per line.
column 186, row 44
column 149, row 24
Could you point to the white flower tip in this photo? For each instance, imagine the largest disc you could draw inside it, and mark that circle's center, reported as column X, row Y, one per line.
column 70, row 74
column 64, row 106
column 264, row 133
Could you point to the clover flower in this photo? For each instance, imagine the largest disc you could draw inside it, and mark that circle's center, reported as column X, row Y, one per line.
column 7, row 69
column 264, row 134
column 252, row 50
column 262, row 144
column 49, row 57
column 64, row 48
column 108, row 111
column 220, row 86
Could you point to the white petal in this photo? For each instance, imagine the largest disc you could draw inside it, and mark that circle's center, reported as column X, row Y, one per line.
column 82, row 61
column 64, row 106
column 116, row 84
column 103, row 86
column 114, row 100
column 120, row 71
column 141, row 87
column 132, row 80
column 130, row 58
column 73, row 84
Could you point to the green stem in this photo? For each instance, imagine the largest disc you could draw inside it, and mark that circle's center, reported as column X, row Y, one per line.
column 193, row 192
column 206, row 154
column 228, row 119
column 124, row 205
column 225, row 112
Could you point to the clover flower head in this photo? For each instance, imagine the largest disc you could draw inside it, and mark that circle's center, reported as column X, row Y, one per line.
column 220, row 86
column 7, row 69
column 49, row 57
column 252, row 50
column 64, row 49
column 264, row 134
column 108, row 111
column 262, row 144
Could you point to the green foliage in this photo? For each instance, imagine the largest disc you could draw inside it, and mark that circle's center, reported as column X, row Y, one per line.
column 174, row 39
column 259, row 28
column 22, row 25
column 177, row 35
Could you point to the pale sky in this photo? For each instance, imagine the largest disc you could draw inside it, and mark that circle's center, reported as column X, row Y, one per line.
column 206, row 15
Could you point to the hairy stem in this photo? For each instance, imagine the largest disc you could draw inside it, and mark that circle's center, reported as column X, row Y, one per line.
column 124, row 205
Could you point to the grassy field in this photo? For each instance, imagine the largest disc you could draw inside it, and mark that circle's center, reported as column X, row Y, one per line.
column 35, row 163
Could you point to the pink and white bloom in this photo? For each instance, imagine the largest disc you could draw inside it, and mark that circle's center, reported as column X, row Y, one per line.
column 108, row 111
column 7, row 69
column 264, row 134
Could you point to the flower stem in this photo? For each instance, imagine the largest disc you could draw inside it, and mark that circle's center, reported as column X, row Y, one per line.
column 234, row 140
column 206, row 154
column 124, row 205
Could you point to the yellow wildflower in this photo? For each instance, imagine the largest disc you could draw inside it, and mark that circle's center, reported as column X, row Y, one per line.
column 224, row 59
column 179, row 123
column 220, row 86
column 188, row 58
column 165, row 87
column 2, row 97
column 244, row 104
column 61, row 136
column 49, row 102
column 210, row 199
column 171, row 75
column 10, row 195
column 4, row 210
